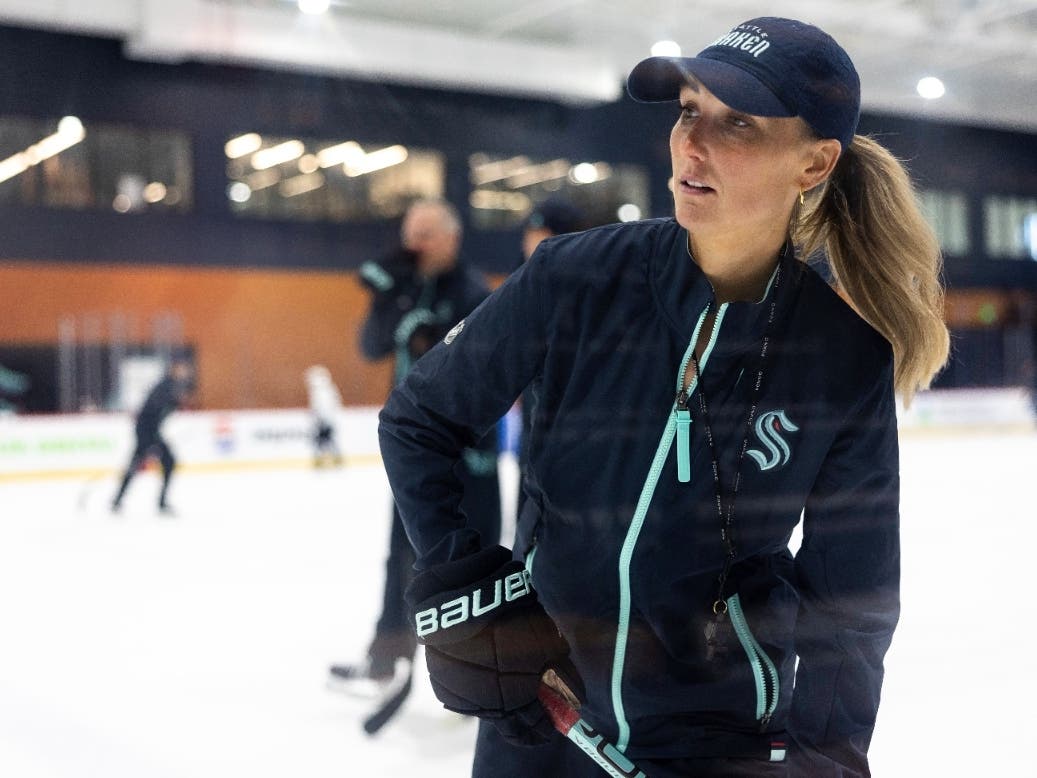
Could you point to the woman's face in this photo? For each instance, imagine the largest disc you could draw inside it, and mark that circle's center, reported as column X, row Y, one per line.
column 736, row 174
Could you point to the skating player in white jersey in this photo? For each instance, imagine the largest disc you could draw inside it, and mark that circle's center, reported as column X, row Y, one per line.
column 325, row 407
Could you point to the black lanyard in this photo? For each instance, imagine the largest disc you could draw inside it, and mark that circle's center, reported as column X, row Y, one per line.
column 725, row 514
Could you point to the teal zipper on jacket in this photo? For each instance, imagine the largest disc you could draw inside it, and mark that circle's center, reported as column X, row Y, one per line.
column 647, row 492
column 681, row 409
column 763, row 668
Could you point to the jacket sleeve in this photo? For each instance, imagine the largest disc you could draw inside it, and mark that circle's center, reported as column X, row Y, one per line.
column 376, row 335
column 848, row 572
column 450, row 399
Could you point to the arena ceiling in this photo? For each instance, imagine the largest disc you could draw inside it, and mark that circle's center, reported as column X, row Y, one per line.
column 579, row 51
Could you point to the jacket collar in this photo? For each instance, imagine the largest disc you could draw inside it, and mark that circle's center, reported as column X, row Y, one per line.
column 680, row 288
column 682, row 291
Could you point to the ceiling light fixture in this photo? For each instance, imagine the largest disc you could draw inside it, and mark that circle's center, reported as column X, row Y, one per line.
column 239, row 192
column 628, row 212
column 314, row 7
column 666, row 49
column 931, row 88
column 155, row 192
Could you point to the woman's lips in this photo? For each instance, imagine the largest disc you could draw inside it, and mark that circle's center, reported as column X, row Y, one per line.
column 695, row 187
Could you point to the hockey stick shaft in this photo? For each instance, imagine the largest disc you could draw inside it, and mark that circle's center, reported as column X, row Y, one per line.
column 560, row 704
column 89, row 486
column 380, row 717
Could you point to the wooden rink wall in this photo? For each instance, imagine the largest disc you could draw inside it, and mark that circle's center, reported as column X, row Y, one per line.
column 254, row 331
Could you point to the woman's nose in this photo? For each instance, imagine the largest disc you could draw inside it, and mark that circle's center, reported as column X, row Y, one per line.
column 693, row 140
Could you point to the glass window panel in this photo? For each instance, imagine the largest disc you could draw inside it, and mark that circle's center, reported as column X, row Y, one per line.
column 339, row 180
column 505, row 189
column 1011, row 227
column 947, row 213
column 66, row 163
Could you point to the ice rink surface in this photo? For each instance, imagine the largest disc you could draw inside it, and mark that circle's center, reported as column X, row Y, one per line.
column 135, row 646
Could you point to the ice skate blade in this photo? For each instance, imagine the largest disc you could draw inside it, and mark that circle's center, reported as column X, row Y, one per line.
column 361, row 686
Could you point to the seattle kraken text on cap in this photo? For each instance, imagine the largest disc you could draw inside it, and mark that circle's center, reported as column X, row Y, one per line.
column 745, row 37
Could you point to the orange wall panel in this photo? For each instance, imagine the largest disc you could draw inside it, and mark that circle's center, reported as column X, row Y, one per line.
column 254, row 331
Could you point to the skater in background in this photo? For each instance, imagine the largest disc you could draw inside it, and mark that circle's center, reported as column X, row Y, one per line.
column 418, row 293
column 12, row 385
column 551, row 217
column 325, row 406
column 166, row 396
column 699, row 389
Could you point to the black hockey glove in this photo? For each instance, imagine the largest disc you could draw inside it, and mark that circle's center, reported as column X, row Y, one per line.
column 389, row 274
column 423, row 338
column 488, row 641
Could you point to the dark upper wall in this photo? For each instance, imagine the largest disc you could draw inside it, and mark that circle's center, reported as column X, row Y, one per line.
column 50, row 75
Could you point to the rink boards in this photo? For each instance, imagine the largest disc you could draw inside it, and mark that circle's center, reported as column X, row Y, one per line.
column 85, row 444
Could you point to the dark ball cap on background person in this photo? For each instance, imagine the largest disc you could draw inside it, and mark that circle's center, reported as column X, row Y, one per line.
column 557, row 216
column 767, row 66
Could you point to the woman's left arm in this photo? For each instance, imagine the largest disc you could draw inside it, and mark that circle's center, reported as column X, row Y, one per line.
column 848, row 574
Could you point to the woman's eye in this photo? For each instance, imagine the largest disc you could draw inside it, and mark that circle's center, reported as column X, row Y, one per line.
column 738, row 121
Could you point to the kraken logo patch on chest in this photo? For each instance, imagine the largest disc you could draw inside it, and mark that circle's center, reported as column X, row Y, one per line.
column 770, row 428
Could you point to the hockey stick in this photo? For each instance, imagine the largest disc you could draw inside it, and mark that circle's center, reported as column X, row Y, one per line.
column 390, row 703
column 86, row 491
column 561, row 705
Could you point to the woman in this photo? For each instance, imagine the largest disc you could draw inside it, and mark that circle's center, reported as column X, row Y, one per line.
column 699, row 388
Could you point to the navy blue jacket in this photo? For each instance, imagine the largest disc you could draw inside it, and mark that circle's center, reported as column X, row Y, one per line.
column 624, row 555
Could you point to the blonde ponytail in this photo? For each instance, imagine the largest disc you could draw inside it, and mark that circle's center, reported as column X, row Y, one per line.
column 884, row 256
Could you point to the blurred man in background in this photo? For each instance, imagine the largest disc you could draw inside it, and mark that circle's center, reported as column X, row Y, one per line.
column 419, row 292
column 166, row 396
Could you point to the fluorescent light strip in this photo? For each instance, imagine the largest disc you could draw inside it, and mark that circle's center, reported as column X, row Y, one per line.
column 242, row 145
column 70, row 132
column 275, row 155
column 490, row 199
column 343, row 152
column 538, row 174
column 301, row 184
column 376, row 160
column 262, row 179
column 488, row 172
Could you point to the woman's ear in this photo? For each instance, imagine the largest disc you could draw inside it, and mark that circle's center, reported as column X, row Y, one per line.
column 821, row 161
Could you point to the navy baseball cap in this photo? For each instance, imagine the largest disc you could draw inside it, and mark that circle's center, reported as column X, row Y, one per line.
column 766, row 67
